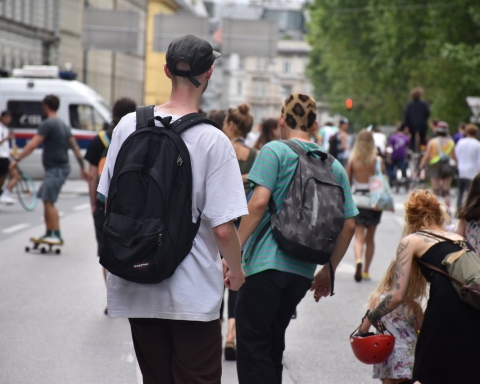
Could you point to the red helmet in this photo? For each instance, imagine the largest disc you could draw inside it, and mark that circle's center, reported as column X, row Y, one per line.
column 370, row 348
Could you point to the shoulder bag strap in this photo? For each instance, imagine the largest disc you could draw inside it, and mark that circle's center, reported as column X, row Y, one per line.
column 378, row 166
column 461, row 243
column 433, row 268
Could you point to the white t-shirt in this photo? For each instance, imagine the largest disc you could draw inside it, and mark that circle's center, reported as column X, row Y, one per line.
column 468, row 157
column 326, row 132
column 195, row 290
column 380, row 141
column 5, row 146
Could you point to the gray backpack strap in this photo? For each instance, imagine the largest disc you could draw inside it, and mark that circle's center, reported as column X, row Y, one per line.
column 145, row 116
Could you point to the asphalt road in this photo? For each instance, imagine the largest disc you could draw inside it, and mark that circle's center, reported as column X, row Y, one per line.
column 53, row 330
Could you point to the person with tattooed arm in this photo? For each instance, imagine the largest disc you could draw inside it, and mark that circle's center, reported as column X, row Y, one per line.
column 447, row 347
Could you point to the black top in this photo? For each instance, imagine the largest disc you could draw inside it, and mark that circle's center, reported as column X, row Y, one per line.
column 95, row 150
column 447, row 347
column 416, row 115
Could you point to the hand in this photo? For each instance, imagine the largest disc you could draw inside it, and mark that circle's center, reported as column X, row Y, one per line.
column 234, row 281
column 321, row 285
column 12, row 165
column 225, row 268
column 84, row 174
column 11, row 136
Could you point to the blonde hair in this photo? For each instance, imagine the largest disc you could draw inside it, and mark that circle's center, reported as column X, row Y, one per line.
column 364, row 150
column 423, row 210
column 416, row 288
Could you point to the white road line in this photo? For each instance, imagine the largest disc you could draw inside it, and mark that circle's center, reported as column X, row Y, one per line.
column 399, row 206
column 400, row 221
column 81, row 207
column 345, row 268
column 16, row 228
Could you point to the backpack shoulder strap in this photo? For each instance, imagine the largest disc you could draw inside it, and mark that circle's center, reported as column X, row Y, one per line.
column 188, row 121
column 301, row 152
column 104, row 138
column 433, row 268
column 145, row 116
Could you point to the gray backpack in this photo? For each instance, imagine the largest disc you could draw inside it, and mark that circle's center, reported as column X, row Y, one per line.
column 312, row 214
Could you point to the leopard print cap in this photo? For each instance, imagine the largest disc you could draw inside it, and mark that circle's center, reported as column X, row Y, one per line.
column 299, row 111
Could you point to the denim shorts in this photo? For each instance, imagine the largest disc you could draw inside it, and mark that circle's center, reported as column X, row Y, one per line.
column 54, row 179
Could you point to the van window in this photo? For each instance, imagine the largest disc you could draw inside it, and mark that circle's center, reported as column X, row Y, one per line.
column 85, row 117
column 25, row 114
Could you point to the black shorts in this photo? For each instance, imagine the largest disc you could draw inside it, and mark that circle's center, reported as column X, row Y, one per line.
column 368, row 217
column 4, row 163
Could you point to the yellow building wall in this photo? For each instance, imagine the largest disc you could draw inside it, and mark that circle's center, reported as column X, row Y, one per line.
column 157, row 85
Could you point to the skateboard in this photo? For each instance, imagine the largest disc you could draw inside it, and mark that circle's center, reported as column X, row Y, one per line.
column 43, row 246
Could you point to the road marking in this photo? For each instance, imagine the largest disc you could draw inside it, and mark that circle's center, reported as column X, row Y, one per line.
column 399, row 206
column 16, row 228
column 345, row 268
column 400, row 221
column 81, row 207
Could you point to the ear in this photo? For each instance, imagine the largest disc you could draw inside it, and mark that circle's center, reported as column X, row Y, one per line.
column 209, row 72
column 314, row 127
column 281, row 121
column 167, row 71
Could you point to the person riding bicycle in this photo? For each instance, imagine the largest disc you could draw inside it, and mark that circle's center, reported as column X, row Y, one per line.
column 56, row 138
column 5, row 136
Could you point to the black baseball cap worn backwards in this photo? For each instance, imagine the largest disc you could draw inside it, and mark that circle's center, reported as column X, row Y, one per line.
column 198, row 53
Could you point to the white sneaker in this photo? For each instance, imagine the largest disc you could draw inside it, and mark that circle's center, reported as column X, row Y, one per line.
column 6, row 199
column 53, row 240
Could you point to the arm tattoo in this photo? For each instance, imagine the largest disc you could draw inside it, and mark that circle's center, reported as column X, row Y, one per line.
column 384, row 307
column 381, row 309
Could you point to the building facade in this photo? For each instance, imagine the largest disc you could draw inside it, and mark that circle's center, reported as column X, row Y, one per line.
column 49, row 32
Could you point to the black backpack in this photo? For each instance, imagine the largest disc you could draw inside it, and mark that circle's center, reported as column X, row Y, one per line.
column 148, row 229
column 334, row 143
column 312, row 214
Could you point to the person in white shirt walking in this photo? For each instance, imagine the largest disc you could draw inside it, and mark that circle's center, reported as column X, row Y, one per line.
column 175, row 324
column 5, row 136
column 468, row 161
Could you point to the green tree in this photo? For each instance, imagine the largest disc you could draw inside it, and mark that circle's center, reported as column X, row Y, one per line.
column 375, row 51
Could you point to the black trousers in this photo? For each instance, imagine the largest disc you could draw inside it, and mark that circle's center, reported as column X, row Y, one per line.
column 463, row 187
column 177, row 351
column 265, row 305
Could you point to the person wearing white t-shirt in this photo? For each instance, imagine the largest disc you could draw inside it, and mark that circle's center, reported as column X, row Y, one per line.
column 326, row 132
column 468, row 161
column 175, row 324
column 5, row 137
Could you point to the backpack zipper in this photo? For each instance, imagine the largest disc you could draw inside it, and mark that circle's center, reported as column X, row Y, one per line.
column 179, row 160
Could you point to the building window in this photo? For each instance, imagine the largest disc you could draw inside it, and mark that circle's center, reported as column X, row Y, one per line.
column 285, row 91
column 239, row 88
column 260, row 89
column 287, row 66
column 261, row 64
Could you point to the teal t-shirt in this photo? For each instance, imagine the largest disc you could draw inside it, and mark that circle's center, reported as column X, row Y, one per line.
column 274, row 169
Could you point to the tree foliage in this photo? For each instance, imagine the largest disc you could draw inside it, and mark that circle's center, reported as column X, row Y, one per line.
column 375, row 51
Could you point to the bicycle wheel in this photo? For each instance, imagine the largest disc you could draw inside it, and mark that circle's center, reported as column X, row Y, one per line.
column 26, row 192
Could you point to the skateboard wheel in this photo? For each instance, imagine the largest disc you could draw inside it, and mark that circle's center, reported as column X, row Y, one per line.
column 57, row 251
column 43, row 250
column 27, row 249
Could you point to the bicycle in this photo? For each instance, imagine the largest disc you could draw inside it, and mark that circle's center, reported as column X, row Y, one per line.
column 26, row 191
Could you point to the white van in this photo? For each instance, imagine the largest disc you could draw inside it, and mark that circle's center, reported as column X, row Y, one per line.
column 80, row 107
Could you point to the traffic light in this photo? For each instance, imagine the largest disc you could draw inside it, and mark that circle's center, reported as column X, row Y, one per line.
column 349, row 104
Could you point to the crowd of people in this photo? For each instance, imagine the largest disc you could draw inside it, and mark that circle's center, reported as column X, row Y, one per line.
column 239, row 182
